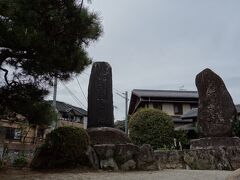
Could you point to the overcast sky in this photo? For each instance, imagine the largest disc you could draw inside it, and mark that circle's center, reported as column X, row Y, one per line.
column 163, row 44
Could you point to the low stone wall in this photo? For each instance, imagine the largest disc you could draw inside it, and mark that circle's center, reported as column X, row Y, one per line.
column 124, row 157
column 170, row 159
column 13, row 151
column 127, row 157
column 221, row 158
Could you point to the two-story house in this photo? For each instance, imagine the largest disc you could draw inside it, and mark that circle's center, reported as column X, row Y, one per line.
column 70, row 115
column 174, row 103
column 15, row 129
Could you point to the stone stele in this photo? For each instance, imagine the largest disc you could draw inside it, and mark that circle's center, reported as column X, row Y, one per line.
column 100, row 97
column 216, row 110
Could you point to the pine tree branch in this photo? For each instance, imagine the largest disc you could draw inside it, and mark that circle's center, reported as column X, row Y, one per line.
column 5, row 75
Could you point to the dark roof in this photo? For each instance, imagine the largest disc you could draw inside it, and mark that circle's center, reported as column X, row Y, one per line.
column 190, row 114
column 140, row 95
column 179, row 120
column 64, row 107
column 165, row 93
column 194, row 112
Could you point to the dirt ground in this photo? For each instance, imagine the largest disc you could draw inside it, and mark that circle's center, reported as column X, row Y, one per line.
column 142, row 175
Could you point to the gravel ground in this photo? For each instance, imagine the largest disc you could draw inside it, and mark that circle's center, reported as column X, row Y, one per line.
column 142, row 175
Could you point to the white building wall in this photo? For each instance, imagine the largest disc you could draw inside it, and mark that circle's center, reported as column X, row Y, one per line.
column 85, row 122
column 150, row 105
column 186, row 108
column 168, row 108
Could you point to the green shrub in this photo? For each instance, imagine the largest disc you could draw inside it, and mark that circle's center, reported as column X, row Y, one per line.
column 151, row 126
column 120, row 125
column 20, row 161
column 181, row 137
column 64, row 147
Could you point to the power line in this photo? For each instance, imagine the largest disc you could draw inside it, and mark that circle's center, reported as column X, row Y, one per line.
column 118, row 91
column 73, row 95
column 81, row 89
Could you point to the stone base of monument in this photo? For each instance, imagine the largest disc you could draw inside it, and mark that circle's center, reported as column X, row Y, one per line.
column 214, row 153
column 214, row 142
column 125, row 157
column 115, row 152
column 107, row 135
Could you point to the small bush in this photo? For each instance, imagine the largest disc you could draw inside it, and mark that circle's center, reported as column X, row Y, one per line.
column 20, row 161
column 181, row 137
column 120, row 125
column 151, row 126
column 64, row 147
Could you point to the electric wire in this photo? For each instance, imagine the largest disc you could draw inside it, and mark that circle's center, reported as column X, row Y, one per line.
column 81, row 89
column 73, row 95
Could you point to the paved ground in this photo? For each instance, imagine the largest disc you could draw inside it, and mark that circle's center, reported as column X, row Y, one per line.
column 155, row 175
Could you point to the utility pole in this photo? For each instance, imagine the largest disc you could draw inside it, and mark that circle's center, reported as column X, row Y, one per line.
column 126, row 113
column 125, row 96
column 55, row 93
column 55, row 97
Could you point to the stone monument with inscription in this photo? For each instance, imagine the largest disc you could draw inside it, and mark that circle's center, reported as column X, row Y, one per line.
column 100, row 107
column 100, row 97
column 216, row 112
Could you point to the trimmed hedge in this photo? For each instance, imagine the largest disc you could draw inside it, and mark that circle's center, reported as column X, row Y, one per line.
column 151, row 126
column 65, row 147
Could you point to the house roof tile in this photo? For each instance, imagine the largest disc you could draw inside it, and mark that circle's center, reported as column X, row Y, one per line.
column 165, row 93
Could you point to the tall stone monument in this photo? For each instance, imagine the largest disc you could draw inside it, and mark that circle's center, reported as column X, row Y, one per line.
column 216, row 113
column 100, row 107
column 216, row 110
column 100, row 97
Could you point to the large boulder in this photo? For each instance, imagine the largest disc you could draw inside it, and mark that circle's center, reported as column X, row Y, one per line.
column 125, row 157
column 207, row 159
column 109, row 164
column 105, row 151
column 129, row 165
column 107, row 135
column 216, row 110
column 126, row 152
column 92, row 158
column 100, row 97
column 170, row 159
column 220, row 158
column 214, row 142
column 146, row 159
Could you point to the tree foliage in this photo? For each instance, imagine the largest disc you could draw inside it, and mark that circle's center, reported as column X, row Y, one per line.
column 181, row 139
column 40, row 40
column 151, row 126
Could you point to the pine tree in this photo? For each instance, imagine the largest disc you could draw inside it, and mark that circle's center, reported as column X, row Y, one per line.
column 40, row 40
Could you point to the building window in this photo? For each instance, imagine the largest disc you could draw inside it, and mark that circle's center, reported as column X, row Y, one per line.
column 178, row 109
column 157, row 106
column 13, row 134
column 40, row 133
column 194, row 106
column 79, row 119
